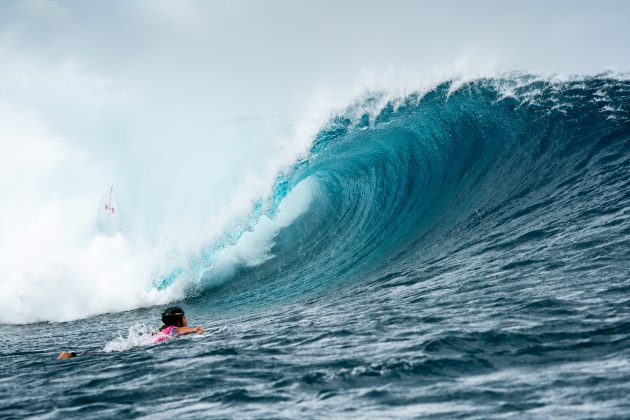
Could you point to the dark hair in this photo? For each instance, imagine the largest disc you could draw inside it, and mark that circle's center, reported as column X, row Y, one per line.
column 173, row 317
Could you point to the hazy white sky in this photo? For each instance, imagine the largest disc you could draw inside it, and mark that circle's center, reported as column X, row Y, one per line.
column 247, row 55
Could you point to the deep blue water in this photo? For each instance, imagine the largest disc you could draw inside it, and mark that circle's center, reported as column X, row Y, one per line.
column 466, row 254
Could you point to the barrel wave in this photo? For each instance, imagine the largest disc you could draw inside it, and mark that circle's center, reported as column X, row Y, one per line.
column 516, row 180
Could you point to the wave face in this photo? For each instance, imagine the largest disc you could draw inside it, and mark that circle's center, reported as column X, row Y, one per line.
column 507, row 179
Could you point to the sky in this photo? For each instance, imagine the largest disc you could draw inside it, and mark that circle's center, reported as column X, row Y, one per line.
column 188, row 58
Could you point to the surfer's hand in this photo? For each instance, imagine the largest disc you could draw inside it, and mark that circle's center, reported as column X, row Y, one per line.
column 199, row 329
column 66, row 355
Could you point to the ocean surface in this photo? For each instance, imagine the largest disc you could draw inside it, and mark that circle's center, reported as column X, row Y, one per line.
column 461, row 252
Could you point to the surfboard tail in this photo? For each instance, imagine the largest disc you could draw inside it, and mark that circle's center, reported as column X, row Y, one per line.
column 109, row 215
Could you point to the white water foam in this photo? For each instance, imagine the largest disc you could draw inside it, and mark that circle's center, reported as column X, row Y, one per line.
column 254, row 247
column 56, row 265
column 143, row 335
column 137, row 335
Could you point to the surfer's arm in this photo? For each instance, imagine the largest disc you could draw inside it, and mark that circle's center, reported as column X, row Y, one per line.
column 189, row 330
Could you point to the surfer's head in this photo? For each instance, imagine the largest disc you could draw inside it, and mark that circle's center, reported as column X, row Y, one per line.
column 174, row 316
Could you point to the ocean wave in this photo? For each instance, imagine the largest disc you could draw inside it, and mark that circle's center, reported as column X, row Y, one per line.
column 490, row 173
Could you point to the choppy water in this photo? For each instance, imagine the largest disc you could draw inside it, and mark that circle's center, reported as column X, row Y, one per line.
column 464, row 253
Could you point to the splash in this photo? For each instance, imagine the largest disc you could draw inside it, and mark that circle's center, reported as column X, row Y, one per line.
column 137, row 335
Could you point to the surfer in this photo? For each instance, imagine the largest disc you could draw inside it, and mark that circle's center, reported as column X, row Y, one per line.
column 175, row 324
